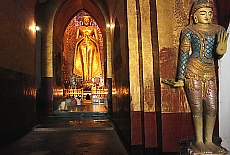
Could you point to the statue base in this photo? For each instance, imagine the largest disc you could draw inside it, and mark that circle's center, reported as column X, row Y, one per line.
column 192, row 150
column 188, row 148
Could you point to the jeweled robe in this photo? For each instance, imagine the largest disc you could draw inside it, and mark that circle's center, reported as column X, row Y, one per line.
column 197, row 69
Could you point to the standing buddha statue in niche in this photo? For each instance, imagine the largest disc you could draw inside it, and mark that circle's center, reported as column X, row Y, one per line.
column 87, row 62
column 201, row 42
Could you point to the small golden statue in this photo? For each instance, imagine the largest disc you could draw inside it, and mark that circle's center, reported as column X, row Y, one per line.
column 201, row 42
column 87, row 61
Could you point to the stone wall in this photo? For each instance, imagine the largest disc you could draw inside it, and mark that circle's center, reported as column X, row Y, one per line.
column 17, row 68
column 120, row 67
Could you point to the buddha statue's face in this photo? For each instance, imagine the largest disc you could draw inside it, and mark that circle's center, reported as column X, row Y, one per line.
column 86, row 20
column 203, row 16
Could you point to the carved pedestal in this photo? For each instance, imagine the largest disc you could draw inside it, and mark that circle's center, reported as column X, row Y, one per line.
column 192, row 150
column 187, row 148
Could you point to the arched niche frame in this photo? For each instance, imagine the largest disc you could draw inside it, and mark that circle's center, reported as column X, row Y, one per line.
column 65, row 12
column 69, row 43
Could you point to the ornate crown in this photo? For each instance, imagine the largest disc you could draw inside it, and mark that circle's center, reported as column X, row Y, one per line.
column 202, row 4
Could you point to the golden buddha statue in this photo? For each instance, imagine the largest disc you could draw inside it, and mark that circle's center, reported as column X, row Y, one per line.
column 201, row 43
column 87, row 62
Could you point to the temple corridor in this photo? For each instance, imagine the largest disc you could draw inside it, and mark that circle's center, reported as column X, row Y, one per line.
column 85, row 77
column 70, row 134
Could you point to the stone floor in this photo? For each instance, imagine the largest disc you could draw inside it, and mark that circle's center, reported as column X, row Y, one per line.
column 83, row 132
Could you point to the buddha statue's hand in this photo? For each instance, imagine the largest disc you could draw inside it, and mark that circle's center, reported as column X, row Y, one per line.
column 172, row 83
column 179, row 83
column 222, row 38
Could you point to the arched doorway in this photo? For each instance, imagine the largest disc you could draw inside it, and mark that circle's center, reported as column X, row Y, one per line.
column 54, row 24
column 82, row 65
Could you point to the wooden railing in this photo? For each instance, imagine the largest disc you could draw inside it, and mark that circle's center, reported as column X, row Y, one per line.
column 100, row 93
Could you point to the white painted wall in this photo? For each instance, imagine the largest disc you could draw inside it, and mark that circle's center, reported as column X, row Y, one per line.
column 224, row 97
